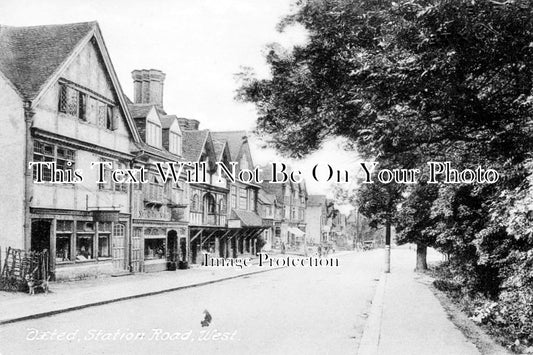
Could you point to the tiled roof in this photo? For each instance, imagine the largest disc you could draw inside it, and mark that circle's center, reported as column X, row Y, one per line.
column 139, row 110
column 30, row 55
column 274, row 189
column 266, row 198
column 193, row 144
column 234, row 139
column 163, row 153
column 316, row 200
column 248, row 219
column 168, row 120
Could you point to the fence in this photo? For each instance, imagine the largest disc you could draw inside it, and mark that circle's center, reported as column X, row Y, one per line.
column 21, row 266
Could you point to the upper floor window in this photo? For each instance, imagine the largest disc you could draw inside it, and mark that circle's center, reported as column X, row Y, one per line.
column 80, row 104
column 45, row 152
column 233, row 196
column 72, row 102
column 174, row 143
column 195, row 205
column 153, row 134
column 155, row 192
column 222, row 206
column 251, row 200
column 243, row 199
column 108, row 183
column 105, row 116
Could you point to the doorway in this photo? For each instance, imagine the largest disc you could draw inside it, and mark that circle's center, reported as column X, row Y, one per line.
column 40, row 235
column 172, row 242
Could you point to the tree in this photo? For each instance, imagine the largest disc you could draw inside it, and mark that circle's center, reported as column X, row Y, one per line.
column 414, row 222
column 407, row 82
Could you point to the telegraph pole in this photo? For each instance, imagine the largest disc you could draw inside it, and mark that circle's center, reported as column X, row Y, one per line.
column 387, row 246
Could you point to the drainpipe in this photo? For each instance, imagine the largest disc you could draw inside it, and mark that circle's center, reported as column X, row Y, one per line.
column 131, row 189
column 28, row 173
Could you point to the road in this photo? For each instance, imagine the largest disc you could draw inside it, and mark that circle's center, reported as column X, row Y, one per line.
column 286, row 311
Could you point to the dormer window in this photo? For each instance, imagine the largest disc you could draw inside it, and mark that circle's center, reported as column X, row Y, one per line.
column 153, row 134
column 174, row 143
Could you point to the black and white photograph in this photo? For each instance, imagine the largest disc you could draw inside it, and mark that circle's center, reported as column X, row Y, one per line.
column 266, row 177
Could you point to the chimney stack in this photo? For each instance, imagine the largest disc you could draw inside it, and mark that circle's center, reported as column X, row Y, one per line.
column 188, row 124
column 148, row 86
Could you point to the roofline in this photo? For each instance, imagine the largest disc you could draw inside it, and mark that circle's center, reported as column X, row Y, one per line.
column 97, row 33
column 12, row 86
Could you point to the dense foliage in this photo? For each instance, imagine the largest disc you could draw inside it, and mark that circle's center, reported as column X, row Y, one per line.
column 414, row 81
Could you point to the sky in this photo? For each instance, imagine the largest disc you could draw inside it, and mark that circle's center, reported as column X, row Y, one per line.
column 199, row 44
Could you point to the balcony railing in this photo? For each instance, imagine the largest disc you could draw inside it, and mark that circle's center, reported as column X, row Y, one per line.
column 210, row 219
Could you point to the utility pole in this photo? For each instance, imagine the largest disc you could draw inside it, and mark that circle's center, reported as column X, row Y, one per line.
column 387, row 246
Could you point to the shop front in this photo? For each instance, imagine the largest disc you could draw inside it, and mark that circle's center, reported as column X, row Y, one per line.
column 81, row 244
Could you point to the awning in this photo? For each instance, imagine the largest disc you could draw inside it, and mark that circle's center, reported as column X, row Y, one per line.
column 296, row 231
column 246, row 218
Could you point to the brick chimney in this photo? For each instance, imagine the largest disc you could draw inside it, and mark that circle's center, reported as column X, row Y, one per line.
column 148, row 86
column 187, row 124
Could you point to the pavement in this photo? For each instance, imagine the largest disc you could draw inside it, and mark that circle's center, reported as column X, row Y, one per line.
column 406, row 318
column 74, row 295
column 294, row 310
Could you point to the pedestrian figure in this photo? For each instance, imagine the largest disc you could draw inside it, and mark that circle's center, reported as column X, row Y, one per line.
column 319, row 251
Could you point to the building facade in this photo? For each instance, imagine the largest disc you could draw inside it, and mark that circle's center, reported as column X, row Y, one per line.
column 66, row 112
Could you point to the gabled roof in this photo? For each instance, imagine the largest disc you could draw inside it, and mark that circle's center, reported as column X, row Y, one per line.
column 142, row 110
column 266, row 198
column 193, row 144
column 168, row 120
column 235, row 140
column 29, row 56
column 219, row 149
column 32, row 58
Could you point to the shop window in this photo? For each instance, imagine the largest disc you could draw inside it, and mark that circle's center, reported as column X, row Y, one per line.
column 154, row 249
column 63, row 240
column 84, row 240
column 84, row 247
column 104, row 239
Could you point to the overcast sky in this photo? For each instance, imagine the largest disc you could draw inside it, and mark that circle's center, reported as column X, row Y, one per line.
column 199, row 44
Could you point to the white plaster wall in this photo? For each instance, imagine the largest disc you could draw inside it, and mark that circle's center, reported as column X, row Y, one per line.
column 87, row 70
column 12, row 143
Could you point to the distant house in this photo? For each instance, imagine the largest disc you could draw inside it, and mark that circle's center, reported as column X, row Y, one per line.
column 316, row 219
column 243, row 214
column 292, row 198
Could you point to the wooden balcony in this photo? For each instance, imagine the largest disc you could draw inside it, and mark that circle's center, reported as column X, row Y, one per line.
column 208, row 219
